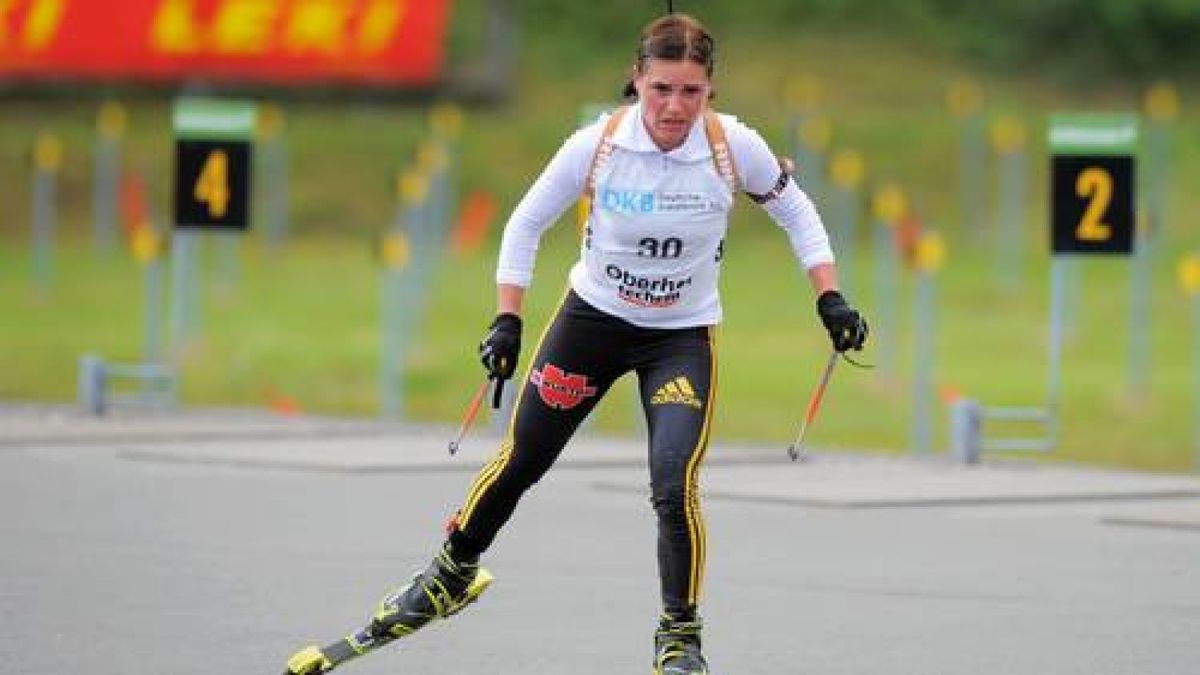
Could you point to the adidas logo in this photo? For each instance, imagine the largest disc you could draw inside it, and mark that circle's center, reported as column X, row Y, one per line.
column 678, row 391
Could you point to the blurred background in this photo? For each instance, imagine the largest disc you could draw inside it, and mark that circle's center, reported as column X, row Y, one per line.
column 390, row 139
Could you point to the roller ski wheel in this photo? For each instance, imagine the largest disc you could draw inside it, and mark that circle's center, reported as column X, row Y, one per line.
column 308, row 661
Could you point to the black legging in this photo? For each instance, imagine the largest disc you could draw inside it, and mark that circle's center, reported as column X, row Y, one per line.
column 581, row 354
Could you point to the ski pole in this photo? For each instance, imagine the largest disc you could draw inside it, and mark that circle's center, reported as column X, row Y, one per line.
column 796, row 449
column 469, row 416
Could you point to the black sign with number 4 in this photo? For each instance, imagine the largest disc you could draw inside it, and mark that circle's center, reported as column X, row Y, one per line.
column 212, row 184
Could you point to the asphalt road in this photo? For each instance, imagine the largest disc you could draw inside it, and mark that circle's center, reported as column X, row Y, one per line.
column 117, row 565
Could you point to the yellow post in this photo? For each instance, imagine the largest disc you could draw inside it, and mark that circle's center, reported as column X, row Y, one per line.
column 1008, row 134
column 271, row 121
column 817, row 133
column 48, row 153
column 395, row 250
column 146, row 244
column 802, row 92
column 964, row 98
column 848, row 169
column 412, row 187
column 889, row 204
column 432, row 158
column 446, row 120
column 1189, row 274
column 111, row 121
column 1162, row 102
column 930, row 253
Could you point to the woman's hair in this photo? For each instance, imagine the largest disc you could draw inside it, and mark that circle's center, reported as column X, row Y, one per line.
column 674, row 37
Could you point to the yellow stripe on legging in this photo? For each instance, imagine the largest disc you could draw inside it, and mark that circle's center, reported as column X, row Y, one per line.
column 691, row 489
column 485, row 478
column 490, row 472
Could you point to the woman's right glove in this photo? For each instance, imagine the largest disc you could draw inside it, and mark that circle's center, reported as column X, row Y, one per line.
column 847, row 329
column 500, row 348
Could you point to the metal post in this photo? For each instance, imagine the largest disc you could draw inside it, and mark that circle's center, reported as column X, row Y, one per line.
column 278, row 195
column 419, row 219
column 930, row 254
column 847, row 172
column 924, row 323
column 183, row 294
column 47, row 162
column 110, row 125
column 972, row 159
column 1058, row 272
column 810, row 131
column 813, row 135
column 1196, row 379
column 1008, row 137
column 271, row 124
column 92, row 383
column 966, row 431
column 392, row 377
column 1072, row 282
column 402, row 259
column 1141, row 270
column 887, row 284
column 889, row 205
column 1189, row 282
column 1158, row 143
column 964, row 99
column 1161, row 104
column 200, row 248
column 230, row 260
column 842, row 235
column 152, row 278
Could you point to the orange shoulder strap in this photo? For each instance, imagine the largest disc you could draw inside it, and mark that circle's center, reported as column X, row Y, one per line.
column 722, row 157
column 603, row 150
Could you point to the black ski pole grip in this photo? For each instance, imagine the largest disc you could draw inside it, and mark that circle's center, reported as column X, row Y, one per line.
column 497, row 393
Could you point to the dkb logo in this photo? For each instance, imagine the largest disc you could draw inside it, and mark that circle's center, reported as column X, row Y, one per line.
column 627, row 201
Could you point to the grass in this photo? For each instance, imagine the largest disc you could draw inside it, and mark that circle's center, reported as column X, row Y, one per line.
column 303, row 321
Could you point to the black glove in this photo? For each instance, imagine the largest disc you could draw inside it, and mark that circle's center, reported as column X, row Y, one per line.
column 847, row 329
column 499, row 350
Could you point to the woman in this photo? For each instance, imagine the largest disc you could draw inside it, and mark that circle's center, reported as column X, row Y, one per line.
column 662, row 175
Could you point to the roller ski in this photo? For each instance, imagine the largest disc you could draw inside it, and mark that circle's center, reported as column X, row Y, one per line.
column 444, row 589
column 677, row 647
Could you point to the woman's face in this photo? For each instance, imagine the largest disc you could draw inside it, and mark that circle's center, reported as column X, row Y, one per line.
column 673, row 94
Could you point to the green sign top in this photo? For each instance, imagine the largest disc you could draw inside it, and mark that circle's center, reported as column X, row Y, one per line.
column 202, row 118
column 1094, row 134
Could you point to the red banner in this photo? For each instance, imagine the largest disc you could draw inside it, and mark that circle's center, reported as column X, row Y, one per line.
column 368, row 42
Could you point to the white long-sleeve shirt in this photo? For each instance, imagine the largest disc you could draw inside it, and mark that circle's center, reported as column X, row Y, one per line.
column 655, row 234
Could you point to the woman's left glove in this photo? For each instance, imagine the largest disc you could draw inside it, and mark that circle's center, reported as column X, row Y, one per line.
column 499, row 350
column 847, row 329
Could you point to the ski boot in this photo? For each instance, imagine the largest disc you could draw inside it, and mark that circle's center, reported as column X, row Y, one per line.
column 677, row 647
column 441, row 591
